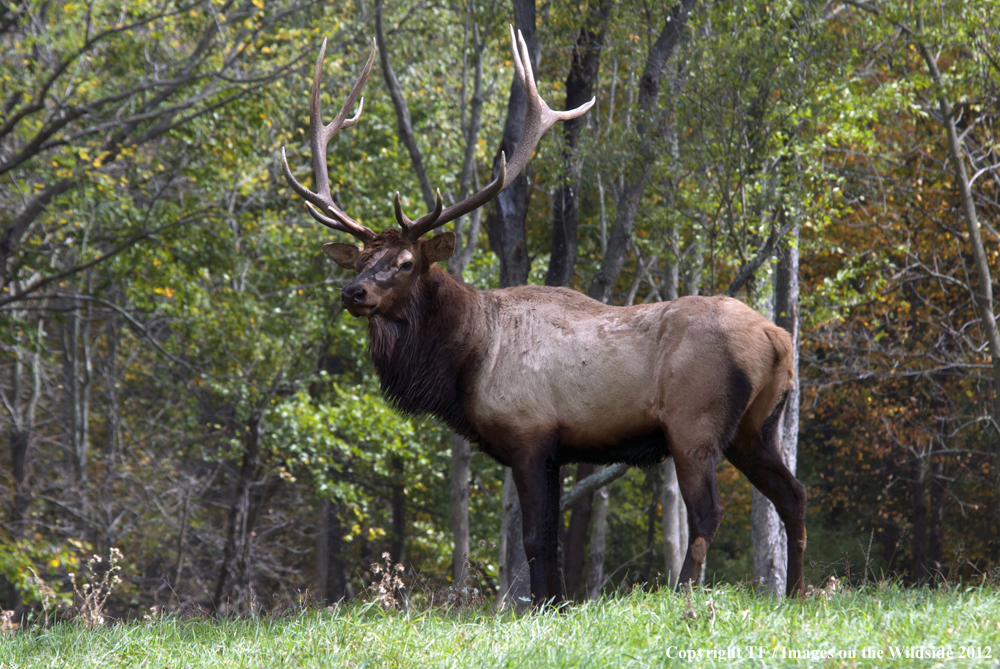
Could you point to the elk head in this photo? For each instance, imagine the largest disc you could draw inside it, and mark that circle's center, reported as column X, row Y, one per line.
column 389, row 264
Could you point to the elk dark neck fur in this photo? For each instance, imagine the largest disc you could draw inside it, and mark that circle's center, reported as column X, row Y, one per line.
column 427, row 353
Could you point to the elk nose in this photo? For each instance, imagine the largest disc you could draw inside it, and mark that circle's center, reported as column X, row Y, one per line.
column 352, row 294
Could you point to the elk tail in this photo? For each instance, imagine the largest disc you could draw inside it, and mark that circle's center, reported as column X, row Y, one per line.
column 784, row 360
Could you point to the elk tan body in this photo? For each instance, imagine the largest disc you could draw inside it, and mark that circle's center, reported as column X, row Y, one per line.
column 539, row 377
column 548, row 350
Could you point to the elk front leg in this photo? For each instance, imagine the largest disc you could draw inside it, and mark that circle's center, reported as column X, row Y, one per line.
column 538, row 492
column 696, row 477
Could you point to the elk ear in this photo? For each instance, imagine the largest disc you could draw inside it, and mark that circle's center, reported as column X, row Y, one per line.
column 439, row 247
column 345, row 255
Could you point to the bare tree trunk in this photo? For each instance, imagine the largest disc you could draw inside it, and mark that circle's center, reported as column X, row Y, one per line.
column 675, row 529
column 110, row 376
column 20, row 439
column 631, row 194
column 514, row 588
column 766, row 530
column 78, row 369
column 182, row 539
column 579, row 88
column 595, row 557
column 935, row 540
column 70, row 341
column 239, row 523
column 331, row 572
column 405, row 127
column 461, row 457
column 397, row 542
column 322, row 562
column 918, row 516
column 22, row 428
column 471, row 120
column 653, row 483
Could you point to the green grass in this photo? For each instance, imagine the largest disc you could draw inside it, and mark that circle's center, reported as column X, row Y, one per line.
column 638, row 630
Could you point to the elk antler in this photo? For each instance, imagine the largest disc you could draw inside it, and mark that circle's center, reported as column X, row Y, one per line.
column 319, row 136
column 538, row 118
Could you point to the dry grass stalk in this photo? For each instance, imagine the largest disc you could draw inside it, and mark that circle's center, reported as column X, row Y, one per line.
column 389, row 583
column 7, row 624
column 94, row 596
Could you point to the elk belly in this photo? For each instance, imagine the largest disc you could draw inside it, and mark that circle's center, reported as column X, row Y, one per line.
column 569, row 364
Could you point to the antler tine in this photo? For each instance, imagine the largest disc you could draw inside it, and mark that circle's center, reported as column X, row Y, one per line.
column 437, row 218
column 429, row 218
column 319, row 138
column 538, row 118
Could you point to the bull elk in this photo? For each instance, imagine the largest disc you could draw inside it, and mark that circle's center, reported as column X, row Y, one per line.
column 540, row 376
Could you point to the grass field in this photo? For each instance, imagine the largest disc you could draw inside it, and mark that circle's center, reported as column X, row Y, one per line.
column 733, row 627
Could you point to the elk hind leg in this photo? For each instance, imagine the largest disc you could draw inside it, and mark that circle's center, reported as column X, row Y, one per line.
column 757, row 454
column 696, row 479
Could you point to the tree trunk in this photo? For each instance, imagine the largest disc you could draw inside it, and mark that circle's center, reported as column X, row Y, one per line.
column 576, row 536
column 19, row 441
column 595, row 557
column 461, row 458
column 468, row 180
column 675, row 529
column 258, row 497
column 78, row 368
column 630, row 196
column 111, row 378
column 239, row 508
column 935, row 539
column 398, row 511
column 766, row 530
column 403, row 124
column 580, row 82
column 22, row 428
column 331, row 573
column 514, row 588
column 918, row 516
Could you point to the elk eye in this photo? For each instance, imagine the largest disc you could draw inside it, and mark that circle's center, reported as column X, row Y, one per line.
column 406, row 266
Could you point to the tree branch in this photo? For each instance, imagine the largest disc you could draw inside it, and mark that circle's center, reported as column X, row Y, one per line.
column 591, row 484
column 79, row 268
column 764, row 253
column 402, row 113
column 10, row 239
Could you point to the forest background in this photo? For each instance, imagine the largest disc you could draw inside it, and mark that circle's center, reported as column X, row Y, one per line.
column 178, row 380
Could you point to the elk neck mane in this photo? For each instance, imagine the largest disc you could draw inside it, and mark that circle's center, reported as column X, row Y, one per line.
column 427, row 353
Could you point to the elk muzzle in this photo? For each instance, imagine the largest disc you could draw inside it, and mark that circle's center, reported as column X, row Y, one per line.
column 354, row 297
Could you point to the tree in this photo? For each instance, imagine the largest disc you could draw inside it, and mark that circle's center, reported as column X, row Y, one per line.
column 645, row 152
column 767, row 532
